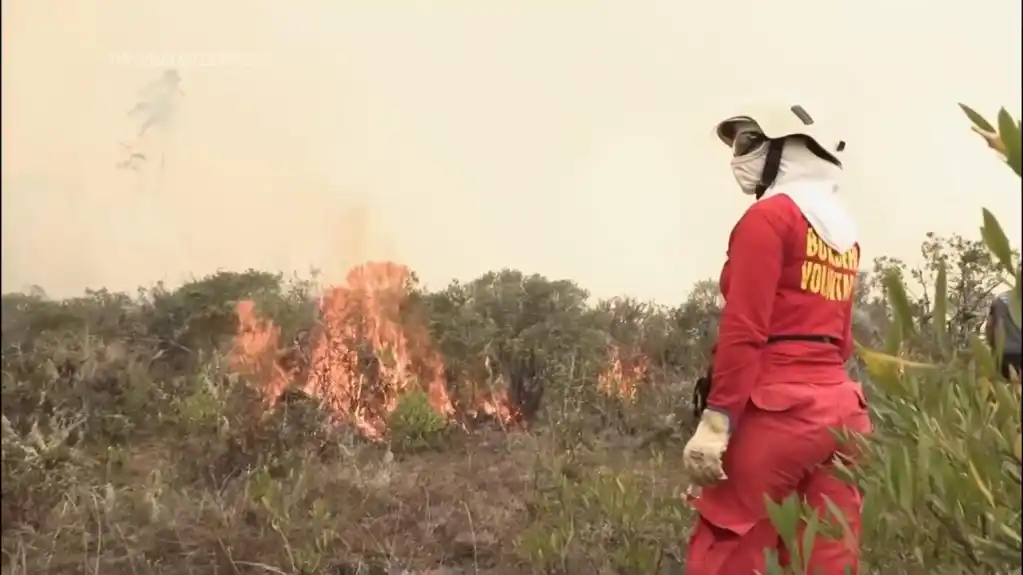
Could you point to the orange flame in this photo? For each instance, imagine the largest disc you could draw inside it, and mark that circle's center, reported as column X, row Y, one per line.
column 362, row 359
column 620, row 379
column 256, row 350
column 497, row 406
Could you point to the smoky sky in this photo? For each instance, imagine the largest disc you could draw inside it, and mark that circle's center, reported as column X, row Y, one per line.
column 570, row 138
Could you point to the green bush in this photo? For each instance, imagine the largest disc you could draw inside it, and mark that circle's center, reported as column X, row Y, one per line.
column 414, row 424
column 941, row 473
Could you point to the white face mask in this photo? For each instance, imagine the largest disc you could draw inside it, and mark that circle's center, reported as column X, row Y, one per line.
column 797, row 163
column 748, row 169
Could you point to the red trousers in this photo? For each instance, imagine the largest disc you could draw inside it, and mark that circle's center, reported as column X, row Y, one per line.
column 783, row 445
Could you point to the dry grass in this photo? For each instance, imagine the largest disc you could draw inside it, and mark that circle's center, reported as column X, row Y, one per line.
column 109, row 469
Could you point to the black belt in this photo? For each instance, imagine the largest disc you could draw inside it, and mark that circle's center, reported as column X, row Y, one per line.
column 800, row 337
column 702, row 388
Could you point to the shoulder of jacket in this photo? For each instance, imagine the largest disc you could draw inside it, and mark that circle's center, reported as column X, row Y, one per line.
column 778, row 211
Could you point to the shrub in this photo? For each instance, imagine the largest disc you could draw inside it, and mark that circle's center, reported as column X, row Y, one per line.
column 941, row 477
column 414, row 424
column 591, row 517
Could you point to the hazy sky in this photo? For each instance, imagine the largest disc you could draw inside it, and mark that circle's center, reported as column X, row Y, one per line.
column 566, row 137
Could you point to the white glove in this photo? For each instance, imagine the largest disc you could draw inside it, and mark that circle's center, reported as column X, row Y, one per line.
column 706, row 448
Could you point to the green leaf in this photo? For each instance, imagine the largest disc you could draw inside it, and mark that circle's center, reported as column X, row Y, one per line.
column 839, row 517
column 941, row 306
column 923, row 456
column 977, row 119
column 893, row 341
column 809, row 538
column 982, row 355
column 1008, row 131
column 996, row 241
column 903, row 475
column 899, row 301
column 784, row 516
column 877, row 360
column 981, row 484
column 772, row 563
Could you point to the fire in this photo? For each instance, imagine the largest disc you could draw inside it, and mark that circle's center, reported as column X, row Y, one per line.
column 362, row 357
column 499, row 407
column 495, row 405
column 621, row 378
column 256, row 350
column 365, row 313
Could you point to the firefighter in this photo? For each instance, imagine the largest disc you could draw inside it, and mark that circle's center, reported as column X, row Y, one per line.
column 777, row 387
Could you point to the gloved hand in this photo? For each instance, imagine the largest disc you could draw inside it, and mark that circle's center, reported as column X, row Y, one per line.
column 705, row 450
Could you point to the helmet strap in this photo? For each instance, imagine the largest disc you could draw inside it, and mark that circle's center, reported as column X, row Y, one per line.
column 772, row 163
column 823, row 154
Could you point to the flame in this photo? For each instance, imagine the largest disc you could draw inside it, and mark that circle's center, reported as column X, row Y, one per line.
column 362, row 358
column 256, row 350
column 497, row 406
column 620, row 379
column 360, row 323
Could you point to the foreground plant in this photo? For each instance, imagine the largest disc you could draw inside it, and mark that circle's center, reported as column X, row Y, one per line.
column 941, row 475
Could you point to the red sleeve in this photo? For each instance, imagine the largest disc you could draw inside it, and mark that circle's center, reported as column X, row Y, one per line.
column 755, row 253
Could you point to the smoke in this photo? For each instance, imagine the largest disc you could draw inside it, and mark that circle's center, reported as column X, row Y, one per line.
column 144, row 143
column 558, row 138
column 864, row 322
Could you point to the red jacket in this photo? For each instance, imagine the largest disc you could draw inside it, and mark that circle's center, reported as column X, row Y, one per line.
column 780, row 279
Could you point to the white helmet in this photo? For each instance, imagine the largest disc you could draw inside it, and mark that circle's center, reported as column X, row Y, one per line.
column 779, row 121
